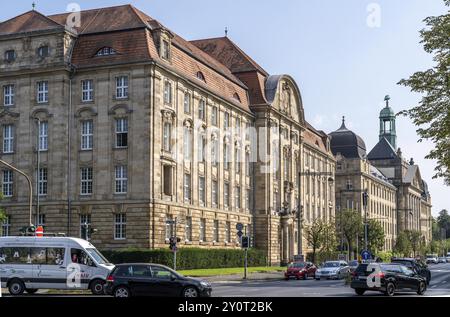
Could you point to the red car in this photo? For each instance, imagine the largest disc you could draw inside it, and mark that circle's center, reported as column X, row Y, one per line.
column 300, row 270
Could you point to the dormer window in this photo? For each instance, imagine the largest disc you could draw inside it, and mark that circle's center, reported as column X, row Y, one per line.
column 201, row 77
column 106, row 51
column 10, row 55
column 43, row 51
column 165, row 50
column 236, row 97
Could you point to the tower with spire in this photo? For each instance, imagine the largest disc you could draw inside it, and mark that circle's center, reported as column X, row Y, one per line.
column 387, row 124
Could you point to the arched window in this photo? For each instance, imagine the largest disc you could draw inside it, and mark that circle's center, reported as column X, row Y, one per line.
column 106, row 51
column 236, row 96
column 201, row 76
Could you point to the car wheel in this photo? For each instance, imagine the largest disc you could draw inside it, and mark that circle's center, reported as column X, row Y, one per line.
column 16, row 287
column 122, row 292
column 360, row 291
column 31, row 290
column 190, row 292
column 422, row 288
column 390, row 289
column 97, row 287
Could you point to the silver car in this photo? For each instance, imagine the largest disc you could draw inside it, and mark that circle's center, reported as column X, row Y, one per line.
column 333, row 270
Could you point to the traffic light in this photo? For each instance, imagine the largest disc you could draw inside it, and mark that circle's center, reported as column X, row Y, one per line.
column 245, row 242
column 28, row 231
column 173, row 243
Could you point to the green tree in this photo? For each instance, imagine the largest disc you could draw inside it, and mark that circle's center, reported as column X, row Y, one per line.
column 403, row 244
column 443, row 222
column 2, row 218
column 329, row 242
column 375, row 235
column 416, row 240
column 351, row 225
column 314, row 236
column 432, row 114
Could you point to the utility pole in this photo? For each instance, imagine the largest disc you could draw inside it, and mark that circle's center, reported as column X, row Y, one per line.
column 38, row 170
column 299, row 217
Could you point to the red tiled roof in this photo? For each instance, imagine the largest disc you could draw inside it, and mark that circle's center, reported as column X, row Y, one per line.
column 28, row 22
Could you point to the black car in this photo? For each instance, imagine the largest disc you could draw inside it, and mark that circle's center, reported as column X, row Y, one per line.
column 137, row 279
column 415, row 265
column 386, row 278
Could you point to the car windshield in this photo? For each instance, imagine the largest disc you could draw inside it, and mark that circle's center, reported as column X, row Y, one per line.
column 297, row 265
column 97, row 256
column 331, row 264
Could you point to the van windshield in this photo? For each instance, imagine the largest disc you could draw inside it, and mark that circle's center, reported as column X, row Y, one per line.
column 97, row 256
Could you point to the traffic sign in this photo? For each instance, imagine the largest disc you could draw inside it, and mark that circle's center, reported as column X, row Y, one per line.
column 366, row 255
column 239, row 226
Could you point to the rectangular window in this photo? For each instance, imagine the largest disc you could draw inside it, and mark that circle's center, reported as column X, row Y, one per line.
column 42, row 92
column 8, row 139
column 201, row 190
column 187, row 103
column 169, row 227
column 167, row 135
column 40, row 220
column 6, row 226
column 86, row 180
column 43, row 136
column 42, row 183
column 165, row 50
column 215, row 193
column 121, row 179
column 167, row 170
column 85, row 224
column 238, row 197
column 216, row 231
column 226, row 120
column 201, row 109
column 214, row 116
column 202, row 237
column 8, row 95
column 237, row 160
column 87, row 90
column 247, row 164
column 238, row 126
column 121, row 133
column 228, row 232
column 226, row 195
column 87, row 135
column 226, row 157
column 215, row 152
column 8, row 182
column 187, row 188
column 120, row 227
column 187, row 144
column 167, row 92
column 122, row 87
column 188, row 229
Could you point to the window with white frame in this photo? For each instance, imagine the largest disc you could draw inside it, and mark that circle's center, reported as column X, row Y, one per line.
column 226, row 156
column 106, row 51
column 8, row 95
column 122, row 87
column 43, row 182
column 216, row 231
column 228, row 232
column 188, row 229
column 237, row 159
column 202, row 237
column 167, row 92
column 120, row 226
column 238, row 197
column 43, row 136
column 87, row 90
column 187, row 188
column 214, row 116
column 8, row 138
column 121, row 179
column 165, row 50
column 226, row 195
column 8, row 182
column 187, row 144
column 86, row 180
column 85, row 224
column 201, row 190
column 215, row 151
column 121, row 133
column 42, row 92
column 40, row 220
column 201, row 109
column 201, row 146
column 167, row 136
column 87, row 135
column 215, row 193
column 226, row 120
column 6, row 226
column 247, row 164
column 187, row 103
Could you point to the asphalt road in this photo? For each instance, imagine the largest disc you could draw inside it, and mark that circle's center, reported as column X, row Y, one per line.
column 439, row 286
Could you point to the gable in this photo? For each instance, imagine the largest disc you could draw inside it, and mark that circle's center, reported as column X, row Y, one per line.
column 30, row 21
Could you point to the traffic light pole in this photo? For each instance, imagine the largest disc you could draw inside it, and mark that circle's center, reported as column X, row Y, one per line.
column 175, row 251
column 30, row 185
column 246, row 257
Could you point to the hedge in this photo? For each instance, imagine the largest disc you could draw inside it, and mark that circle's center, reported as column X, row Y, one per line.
column 189, row 258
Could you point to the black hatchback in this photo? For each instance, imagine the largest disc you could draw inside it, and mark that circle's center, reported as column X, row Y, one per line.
column 415, row 265
column 154, row 280
column 387, row 278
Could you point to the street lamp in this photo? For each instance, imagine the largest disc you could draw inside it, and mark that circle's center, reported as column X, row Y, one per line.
column 365, row 203
column 30, row 185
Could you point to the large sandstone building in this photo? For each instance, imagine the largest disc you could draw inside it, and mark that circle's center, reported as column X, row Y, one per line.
column 126, row 126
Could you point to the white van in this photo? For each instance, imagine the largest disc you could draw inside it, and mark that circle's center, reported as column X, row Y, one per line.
column 32, row 263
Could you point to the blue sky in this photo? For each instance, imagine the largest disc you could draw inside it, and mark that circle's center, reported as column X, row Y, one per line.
column 342, row 65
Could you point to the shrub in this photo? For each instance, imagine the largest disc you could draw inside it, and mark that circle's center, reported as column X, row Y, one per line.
column 189, row 258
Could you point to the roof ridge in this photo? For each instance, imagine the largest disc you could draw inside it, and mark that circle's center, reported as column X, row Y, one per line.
column 35, row 12
column 94, row 9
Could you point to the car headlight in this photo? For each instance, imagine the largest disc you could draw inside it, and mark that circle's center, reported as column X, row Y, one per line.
column 204, row 284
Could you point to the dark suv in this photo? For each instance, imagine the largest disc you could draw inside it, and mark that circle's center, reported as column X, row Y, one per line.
column 415, row 265
column 386, row 278
column 127, row 280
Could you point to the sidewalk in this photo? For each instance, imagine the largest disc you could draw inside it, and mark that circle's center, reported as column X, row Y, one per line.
column 250, row 277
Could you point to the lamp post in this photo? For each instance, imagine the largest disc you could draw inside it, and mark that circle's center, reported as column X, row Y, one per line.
column 365, row 202
column 30, row 185
column 38, row 170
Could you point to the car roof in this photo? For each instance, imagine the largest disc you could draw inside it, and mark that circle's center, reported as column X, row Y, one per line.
column 153, row 264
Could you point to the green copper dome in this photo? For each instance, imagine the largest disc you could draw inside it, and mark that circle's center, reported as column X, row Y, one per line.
column 387, row 112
